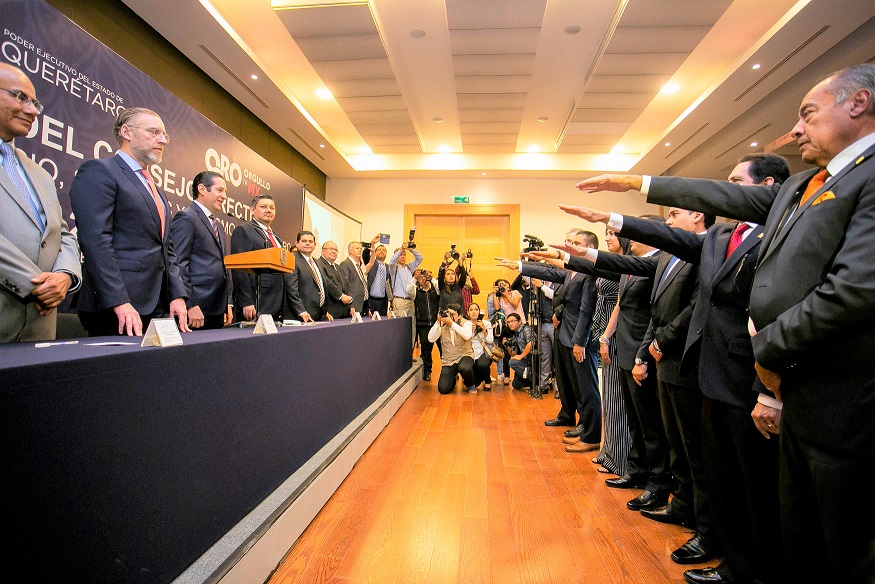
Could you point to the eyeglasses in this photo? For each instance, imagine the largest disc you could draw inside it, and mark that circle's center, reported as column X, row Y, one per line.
column 154, row 132
column 22, row 98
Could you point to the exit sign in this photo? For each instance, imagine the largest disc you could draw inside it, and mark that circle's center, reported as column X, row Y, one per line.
column 461, row 200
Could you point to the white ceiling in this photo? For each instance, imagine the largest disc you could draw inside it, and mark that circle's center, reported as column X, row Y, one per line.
column 520, row 88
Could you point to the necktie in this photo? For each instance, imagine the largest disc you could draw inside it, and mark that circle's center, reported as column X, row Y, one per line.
column 313, row 269
column 272, row 238
column 10, row 164
column 362, row 278
column 156, row 198
column 215, row 228
column 381, row 279
column 671, row 264
column 735, row 240
column 814, row 185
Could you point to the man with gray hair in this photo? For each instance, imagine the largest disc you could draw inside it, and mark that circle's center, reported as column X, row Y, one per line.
column 130, row 275
column 812, row 319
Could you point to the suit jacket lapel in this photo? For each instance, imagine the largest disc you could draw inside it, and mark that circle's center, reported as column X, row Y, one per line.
column 746, row 245
column 209, row 225
column 663, row 283
column 777, row 235
column 7, row 184
column 144, row 192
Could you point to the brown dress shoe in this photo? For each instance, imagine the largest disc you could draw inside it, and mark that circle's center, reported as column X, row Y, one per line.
column 571, row 439
column 581, row 447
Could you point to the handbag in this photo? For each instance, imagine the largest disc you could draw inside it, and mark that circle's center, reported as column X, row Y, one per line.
column 496, row 353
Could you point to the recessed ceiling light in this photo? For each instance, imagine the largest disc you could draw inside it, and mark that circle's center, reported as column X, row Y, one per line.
column 755, row 66
column 323, row 93
column 417, row 33
column 753, row 144
column 667, row 144
column 321, row 145
column 254, row 77
column 617, row 149
column 484, row 174
column 572, row 29
column 533, row 148
column 671, row 88
column 438, row 120
column 543, row 119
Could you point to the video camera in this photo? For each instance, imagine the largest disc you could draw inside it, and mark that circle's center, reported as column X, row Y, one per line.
column 534, row 244
column 410, row 244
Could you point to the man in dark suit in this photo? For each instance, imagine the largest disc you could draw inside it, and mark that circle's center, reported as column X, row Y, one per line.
column 39, row 256
column 577, row 354
column 356, row 273
column 130, row 274
column 199, row 239
column 812, row 304
column 741, row 461
column 256, row 294
column 338, row 307
column 308, row 286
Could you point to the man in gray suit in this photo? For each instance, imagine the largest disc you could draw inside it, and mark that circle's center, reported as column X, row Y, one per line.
column 39, row 257
column 812, row 318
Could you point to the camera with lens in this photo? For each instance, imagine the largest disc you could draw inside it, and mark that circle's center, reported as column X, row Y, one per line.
column 502, row 289
column 443, row 314
column 410, row 244
column 453, row 252
column 366, row 244
column 533, row 243
column 469, row 255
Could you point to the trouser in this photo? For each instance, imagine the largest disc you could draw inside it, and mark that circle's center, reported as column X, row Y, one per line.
column 743, row 467
column 682, row 417
column 522, row 372
column 380, row 305
column 566, row 382
column 545, row 346
column 648, row 456
column 465, row 368
column 482, row 366
column 404, row 307
column 425, row 346
column 589, row 403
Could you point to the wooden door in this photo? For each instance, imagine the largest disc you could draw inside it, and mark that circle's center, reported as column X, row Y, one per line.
column 487, row 230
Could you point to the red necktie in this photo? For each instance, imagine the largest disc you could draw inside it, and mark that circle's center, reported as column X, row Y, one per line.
column 159, row 202
column 735, row 240
column 814, row 185
column 271, row 237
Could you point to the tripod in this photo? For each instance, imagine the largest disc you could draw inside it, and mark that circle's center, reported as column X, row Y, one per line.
column 534, row 321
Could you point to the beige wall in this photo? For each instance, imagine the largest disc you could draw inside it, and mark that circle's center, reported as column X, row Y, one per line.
column 379, row 203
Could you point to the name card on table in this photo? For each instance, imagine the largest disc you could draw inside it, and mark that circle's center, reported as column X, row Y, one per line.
column 265, row 325
column 376, row 316
column 356, row 316
column 162, row 332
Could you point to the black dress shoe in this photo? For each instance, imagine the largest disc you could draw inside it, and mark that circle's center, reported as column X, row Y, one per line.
column 648, row 500
column 705, row 576
column 559, row 421
column 668, row 515
column 626, row 482
column 574, row 432
column 426, row 376
column 695, row 551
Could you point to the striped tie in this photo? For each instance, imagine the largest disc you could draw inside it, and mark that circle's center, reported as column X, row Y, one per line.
column 10, row 164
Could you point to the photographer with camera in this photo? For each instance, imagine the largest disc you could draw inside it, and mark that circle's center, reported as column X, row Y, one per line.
column 519, row 347
column 482, row 345
column 400, row 274
column 471, row 288
column 452, row 279
column 457, row 356
column 500, row 303
column 422, row 289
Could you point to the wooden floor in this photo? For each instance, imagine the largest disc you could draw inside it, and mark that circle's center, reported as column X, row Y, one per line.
column 466, row 488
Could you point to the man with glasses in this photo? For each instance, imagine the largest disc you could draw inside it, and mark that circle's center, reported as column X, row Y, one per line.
column 131, row 275
column 39, row 257
column 336, row 306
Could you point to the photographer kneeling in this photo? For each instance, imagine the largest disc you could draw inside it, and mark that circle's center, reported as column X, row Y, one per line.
column 482, row 345
column 520, row 347
column 457, row 356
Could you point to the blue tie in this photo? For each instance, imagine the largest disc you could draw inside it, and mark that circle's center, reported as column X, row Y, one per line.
column 10, row 164
column 671, row 265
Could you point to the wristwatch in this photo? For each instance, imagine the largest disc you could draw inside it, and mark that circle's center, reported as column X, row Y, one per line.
column 640, row 361
column 603, row 340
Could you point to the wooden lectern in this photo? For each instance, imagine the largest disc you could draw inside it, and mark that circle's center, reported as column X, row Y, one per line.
column 259, row 261
column 271, row 258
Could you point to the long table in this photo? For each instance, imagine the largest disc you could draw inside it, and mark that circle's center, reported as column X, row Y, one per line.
column 125, row 464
